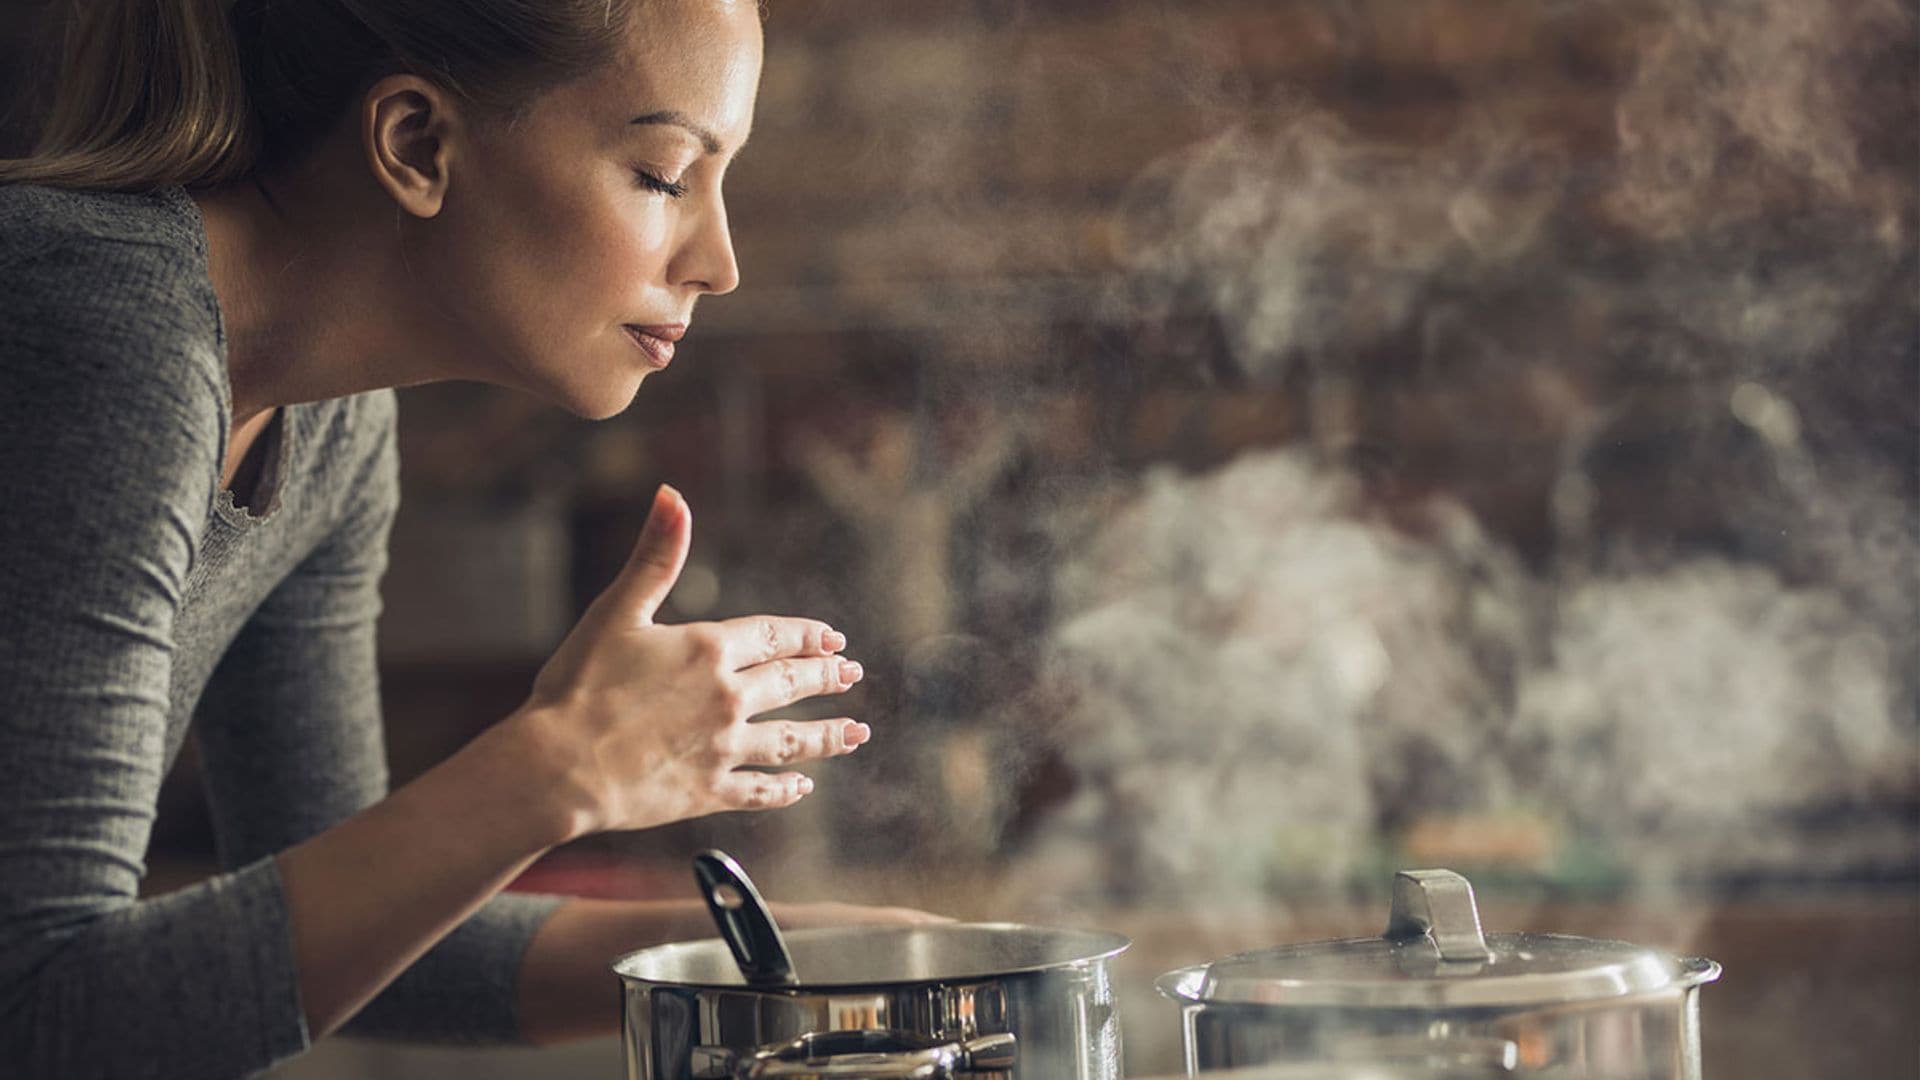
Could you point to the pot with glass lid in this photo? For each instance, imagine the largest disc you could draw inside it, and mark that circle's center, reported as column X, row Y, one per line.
column 1434, row 992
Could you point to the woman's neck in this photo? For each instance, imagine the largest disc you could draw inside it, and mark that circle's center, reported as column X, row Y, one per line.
column 312, row 297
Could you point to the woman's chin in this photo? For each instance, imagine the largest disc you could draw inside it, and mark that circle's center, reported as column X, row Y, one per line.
column 600, row 400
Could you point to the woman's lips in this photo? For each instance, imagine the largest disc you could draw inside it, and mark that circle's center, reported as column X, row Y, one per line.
column 656, row 342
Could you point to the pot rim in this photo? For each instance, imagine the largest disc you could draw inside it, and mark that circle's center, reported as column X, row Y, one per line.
column 1106, row 945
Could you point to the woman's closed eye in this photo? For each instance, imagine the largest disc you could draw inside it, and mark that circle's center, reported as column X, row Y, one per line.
column 654, row 182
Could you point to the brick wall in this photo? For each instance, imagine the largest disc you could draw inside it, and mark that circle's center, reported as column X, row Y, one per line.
column 990, row 141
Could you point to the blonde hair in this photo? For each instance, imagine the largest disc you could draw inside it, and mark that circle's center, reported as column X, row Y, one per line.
column 203, row 92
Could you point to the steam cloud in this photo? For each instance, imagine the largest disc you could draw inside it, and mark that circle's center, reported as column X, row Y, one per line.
column 1694, row 347
column 1714, row 683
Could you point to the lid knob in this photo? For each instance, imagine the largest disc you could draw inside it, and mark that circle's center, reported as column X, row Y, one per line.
column 1438, row 904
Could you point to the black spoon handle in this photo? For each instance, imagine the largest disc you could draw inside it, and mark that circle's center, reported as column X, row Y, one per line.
column 743, row 920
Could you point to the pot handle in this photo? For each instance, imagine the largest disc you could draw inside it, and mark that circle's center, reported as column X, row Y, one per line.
column 1438, row 904
column 744, row 921
column 878, row 1055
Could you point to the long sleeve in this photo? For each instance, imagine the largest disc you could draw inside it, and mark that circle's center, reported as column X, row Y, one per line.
column 109, row 455
column 290, row 737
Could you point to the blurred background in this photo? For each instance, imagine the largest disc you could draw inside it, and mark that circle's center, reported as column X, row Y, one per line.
column 1256, row 446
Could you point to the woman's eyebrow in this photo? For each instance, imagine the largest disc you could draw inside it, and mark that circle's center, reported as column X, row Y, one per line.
column 708, row 140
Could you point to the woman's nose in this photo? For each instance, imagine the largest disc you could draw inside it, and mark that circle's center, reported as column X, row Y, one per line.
column 707, row 260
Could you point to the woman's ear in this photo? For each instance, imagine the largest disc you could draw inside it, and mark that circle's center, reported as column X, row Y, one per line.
column 408, row 126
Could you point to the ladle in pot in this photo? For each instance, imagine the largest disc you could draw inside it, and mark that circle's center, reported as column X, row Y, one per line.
column 744, row 921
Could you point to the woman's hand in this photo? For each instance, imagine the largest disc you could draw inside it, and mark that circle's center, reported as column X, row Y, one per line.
column 647, row 724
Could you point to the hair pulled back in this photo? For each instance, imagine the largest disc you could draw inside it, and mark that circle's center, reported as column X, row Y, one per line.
column 204, row 92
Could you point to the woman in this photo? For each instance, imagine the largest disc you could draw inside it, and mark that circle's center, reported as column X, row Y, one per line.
column 241, row 229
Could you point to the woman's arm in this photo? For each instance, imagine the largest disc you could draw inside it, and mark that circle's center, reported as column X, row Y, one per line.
column 111, row 398
column 368, row 897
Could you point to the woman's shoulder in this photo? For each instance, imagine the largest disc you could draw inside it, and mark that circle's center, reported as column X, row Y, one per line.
column 130, row 260
column 108, row 322
column 36, row 217
column 49, row 228
column 92, row 277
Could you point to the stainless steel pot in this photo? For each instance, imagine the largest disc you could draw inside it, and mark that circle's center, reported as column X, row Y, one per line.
column 1435, row 993
column 929, row 1002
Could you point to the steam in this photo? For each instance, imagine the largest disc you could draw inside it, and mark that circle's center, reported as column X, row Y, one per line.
column 1726, row 707
column 1711, row 674
column 1250, row 661
column 1602, row 545
column 1313, row 243
column 1740, row 109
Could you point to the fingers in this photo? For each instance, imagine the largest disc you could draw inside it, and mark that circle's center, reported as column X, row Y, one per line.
column 760, row 638
column 785, row 742
column 656, row 562
column 783, row 682
column 761, row 791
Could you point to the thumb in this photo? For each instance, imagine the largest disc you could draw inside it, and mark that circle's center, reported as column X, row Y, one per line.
column 657, row 559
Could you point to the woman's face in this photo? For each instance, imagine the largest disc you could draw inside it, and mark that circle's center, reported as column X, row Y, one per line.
column 574, row 242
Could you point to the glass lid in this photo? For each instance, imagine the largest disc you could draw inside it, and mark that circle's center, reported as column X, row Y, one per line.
column 1435, row 955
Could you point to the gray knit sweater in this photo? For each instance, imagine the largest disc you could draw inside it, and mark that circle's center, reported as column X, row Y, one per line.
column 135, row 596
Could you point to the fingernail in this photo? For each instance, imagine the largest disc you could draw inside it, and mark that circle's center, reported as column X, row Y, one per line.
column 833, row 641
column 662, row 511
column 856, row 734
column 850, row 672
column 806, row 785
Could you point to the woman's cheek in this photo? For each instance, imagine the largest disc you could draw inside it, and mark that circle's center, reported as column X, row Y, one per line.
column 637, row 248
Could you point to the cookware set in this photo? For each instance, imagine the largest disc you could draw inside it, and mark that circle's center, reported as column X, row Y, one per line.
column 1433, row 998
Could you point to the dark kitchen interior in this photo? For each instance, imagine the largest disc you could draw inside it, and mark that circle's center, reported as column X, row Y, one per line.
column 1256, row 447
